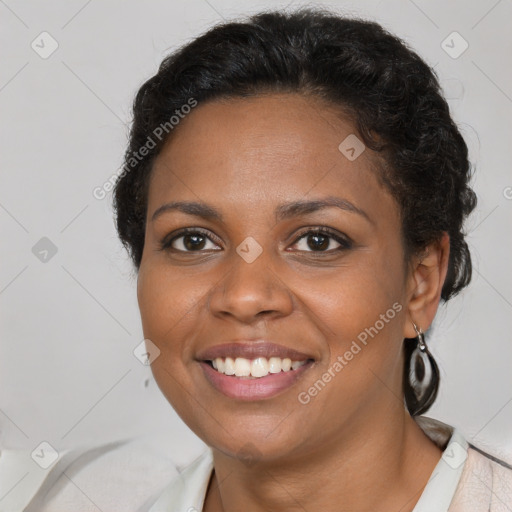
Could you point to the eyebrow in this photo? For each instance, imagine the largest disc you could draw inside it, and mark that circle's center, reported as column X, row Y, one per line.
column 282, row 212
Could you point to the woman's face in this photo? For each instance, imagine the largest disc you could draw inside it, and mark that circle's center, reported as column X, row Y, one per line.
column 256, row 272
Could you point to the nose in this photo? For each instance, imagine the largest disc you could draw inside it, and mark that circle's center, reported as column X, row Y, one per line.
column 251, row 291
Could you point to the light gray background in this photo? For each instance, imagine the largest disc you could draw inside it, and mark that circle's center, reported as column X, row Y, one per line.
column 69, row 325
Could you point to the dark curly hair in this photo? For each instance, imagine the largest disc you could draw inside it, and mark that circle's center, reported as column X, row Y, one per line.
column 391, row 95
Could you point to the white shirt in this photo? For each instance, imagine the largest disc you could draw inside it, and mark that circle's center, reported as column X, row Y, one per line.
column 136, row 476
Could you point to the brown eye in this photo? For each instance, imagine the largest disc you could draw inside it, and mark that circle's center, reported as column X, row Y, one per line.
column 321, row 240
column 189, row 240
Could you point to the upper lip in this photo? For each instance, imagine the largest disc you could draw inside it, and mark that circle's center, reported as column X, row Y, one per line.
column 251, row 350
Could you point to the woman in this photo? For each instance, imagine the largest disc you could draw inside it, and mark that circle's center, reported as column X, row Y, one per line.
column 293, row 200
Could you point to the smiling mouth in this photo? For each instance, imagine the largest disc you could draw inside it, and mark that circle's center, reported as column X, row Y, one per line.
column 254, row 368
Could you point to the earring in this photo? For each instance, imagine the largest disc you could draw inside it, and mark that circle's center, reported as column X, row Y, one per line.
column 422, row 374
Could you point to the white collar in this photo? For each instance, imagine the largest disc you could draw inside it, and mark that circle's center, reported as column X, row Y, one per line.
column 188, row 490
column 443, row 482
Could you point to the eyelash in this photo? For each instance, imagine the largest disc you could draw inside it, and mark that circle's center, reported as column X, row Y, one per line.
column 345, row 242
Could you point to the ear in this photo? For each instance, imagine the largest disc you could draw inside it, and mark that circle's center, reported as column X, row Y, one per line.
column 425, row 283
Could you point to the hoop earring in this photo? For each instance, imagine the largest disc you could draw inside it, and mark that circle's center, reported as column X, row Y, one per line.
column 421, row 376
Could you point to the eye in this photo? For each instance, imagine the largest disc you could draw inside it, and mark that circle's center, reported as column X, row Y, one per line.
column 321, row 240
column 188, row 240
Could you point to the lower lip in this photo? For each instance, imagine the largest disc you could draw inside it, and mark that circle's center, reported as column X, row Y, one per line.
column 256, row 388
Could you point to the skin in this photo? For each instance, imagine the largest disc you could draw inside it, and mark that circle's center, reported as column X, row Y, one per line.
column 245, row 157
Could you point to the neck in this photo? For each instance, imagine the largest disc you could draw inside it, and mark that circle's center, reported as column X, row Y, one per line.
column 369, row 466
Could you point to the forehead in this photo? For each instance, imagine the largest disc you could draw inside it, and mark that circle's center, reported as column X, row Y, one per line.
column 255, row 151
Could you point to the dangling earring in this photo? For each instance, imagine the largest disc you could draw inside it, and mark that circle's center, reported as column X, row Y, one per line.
column 422, row 374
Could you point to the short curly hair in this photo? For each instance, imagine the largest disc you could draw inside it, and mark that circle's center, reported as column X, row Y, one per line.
column 392, row 96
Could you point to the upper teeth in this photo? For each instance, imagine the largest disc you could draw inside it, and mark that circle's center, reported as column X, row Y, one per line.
column 259, row 367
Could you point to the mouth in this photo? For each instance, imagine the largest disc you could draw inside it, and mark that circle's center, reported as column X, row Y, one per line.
column 256, row 379
column 253, row 369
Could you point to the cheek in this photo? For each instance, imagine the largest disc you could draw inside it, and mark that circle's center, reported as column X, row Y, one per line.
column 353, row 297
column 360, row 310
column 166, row 302
column 164, row 293
column 362, row 324
column 168, row 308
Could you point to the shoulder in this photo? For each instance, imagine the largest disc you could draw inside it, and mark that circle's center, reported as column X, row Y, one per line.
column 123, row 475
column 480, row 482
column 485, row 484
